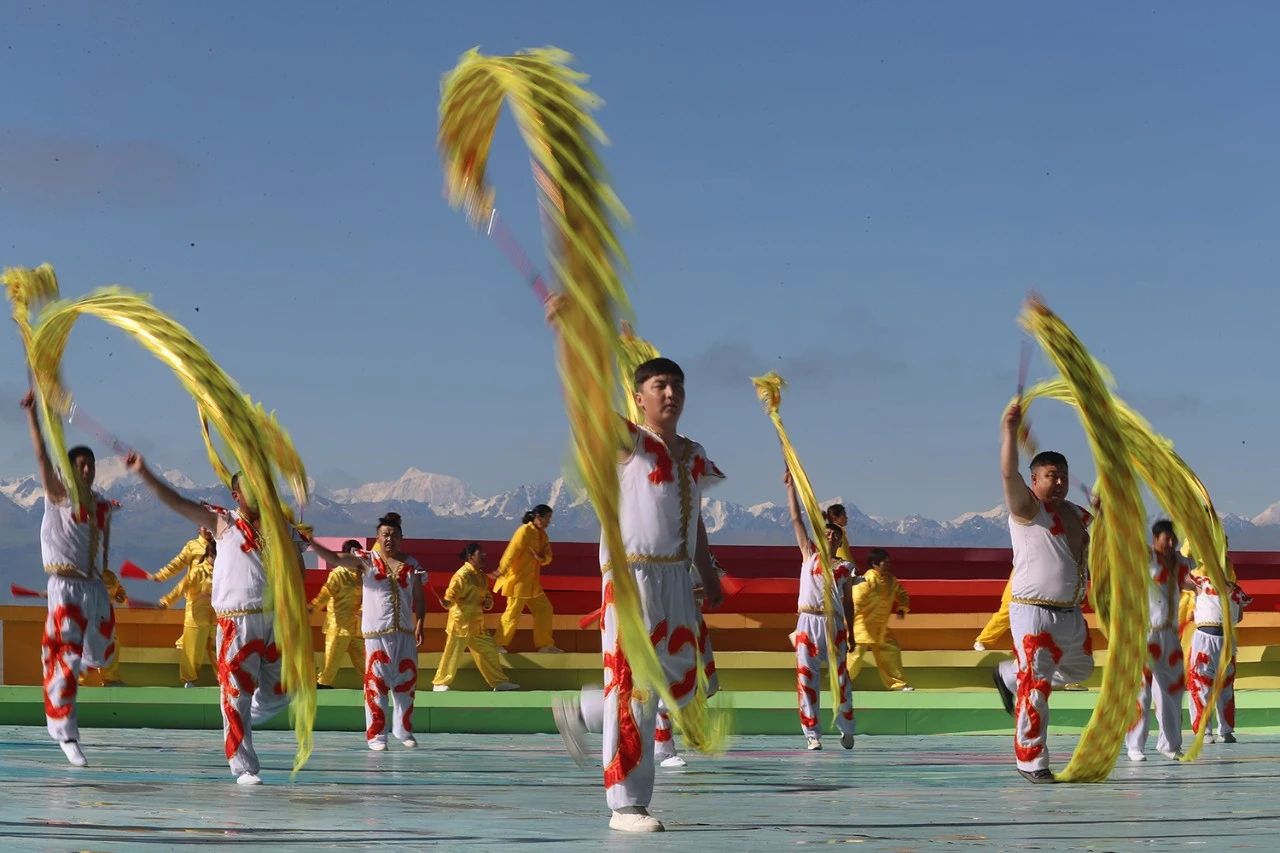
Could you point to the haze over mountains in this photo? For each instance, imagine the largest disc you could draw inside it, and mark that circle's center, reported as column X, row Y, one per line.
column 438, row 505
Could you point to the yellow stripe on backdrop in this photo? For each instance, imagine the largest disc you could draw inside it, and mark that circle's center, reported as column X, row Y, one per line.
column 552, row 113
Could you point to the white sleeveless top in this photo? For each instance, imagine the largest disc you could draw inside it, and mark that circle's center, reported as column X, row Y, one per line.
column 239, row 579
column 1044, row 570
column 1165, row 589
column 71, row 540
column 661, row 500
column 810, row 599
column 387, row 606
column 1208, row 609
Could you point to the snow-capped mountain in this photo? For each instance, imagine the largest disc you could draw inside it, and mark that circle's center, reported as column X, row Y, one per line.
column 438, row 505
column 446, row 495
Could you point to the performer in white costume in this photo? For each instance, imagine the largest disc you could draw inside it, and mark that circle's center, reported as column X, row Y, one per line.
column 392, row 617
column 80, row 629
column 662, row 475
column 1206, row 648
column 248, row 659
column 810, row 637
column 1050, row 577
column 1164, row 679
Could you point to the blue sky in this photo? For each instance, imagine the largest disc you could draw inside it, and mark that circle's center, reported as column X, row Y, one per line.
column 858, row 195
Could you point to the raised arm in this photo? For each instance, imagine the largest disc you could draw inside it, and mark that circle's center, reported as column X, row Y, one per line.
column 190, row 510
column 55, row 490
column 797, row 525
column 1018, row 496
column 333, row 558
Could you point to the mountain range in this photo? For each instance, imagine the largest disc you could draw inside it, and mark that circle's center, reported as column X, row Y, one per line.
column 438, row 505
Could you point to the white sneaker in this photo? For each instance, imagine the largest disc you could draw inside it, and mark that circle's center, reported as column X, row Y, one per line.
column 550, row 650
column 502, row 650
column 188, row 684
column 248, row 779
column 674, row 761
column 71, row 749
column 812, row 743
column 505, row 686
column 410, row 742
column 1210, row 738
column 979, row 647
column 908, row 689
column 635, row 820
column 567, row 712
column 846, row 741
column 439, row 688
column 378, row 745
column 1137, row 755
column 1173, row 755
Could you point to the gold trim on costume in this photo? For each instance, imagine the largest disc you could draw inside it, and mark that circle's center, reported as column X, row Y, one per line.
column 231, row 614
column 65, row 570
column 1046, row 602
column 812, row 611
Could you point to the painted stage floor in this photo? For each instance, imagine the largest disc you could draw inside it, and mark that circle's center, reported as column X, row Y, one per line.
column 148, row 789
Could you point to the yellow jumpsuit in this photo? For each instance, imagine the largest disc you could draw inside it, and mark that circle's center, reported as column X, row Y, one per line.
column 198, row 619
column 998, row 624
column 341, row 591
column 843, row 552
column 878, row 596
column 109, row 674
column 468, row 596
column 520, row 580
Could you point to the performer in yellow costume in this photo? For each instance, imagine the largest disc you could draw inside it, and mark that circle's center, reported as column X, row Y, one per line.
column 874, row 599
column 198, row 618
column 341, row 592
column 998, row 624
column 468, row 597
column 836, row 514
column 520, row 580
column 109, row 675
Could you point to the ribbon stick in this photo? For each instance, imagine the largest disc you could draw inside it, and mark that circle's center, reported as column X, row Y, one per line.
column 552, row 112
column 769, row 390
column 1124, row 548
column 261, row 449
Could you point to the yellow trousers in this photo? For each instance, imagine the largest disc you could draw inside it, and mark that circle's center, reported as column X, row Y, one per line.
column 195, row 639
column 107, row 675
column 888, row 656
column 335, row 647
column 998, row 624
column 483, row 650
column 540, row 608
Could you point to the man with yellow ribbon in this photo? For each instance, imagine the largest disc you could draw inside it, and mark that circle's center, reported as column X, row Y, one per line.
column 1050, row 576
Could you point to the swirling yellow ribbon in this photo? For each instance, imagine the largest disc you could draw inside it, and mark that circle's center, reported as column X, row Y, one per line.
column 552, row 113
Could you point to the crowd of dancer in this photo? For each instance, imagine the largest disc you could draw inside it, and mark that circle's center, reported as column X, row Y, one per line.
column 375, row 603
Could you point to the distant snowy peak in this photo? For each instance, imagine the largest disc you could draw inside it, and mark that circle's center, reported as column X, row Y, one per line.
column 1268, row 517
column 996, row 513
column 26, row 492
column 448, row 495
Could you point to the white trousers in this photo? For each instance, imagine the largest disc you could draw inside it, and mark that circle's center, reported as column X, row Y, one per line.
column 676, row 630
column 1053, row 649
column 1205, row 649
column 811, row 652
column 249, row 677
column 1164, row 680
column 390, row 671
column 79, row 631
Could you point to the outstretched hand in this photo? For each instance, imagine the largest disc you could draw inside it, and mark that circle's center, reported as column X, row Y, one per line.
column 28, row 400
column 555, row 306
column 786, row 478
